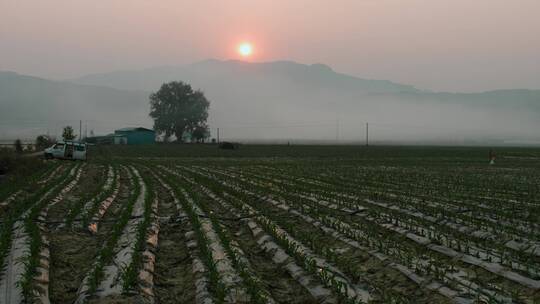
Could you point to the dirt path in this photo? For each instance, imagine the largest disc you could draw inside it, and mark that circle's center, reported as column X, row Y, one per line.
column 279, row 283
column 174, row 277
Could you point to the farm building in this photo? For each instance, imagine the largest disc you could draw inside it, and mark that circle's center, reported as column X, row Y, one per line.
column 134, row 136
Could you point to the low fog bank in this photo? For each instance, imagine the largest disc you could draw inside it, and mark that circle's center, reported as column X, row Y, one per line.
column 278, row 102
column 388, row 122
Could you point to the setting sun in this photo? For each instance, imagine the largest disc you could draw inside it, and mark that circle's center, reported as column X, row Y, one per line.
column 245, row 49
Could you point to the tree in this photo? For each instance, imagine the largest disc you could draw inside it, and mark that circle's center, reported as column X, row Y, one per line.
column 43, row 141
column 200, row 134
column 67, row 134
column 18, row 146
column 177, row 110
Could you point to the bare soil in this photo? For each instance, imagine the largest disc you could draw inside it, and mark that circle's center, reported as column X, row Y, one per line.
column 276, row 280
column 73, row 251
column 174, row 279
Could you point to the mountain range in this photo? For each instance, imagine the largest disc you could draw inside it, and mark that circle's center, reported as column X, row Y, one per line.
column 272, row 100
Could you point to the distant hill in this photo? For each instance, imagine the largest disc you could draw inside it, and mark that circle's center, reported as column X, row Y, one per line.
column 282, row 99
column 30, row 105
column 233, row 73
column 286, row 79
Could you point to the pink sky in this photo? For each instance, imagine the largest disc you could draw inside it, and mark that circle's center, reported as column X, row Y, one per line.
column 451, row 45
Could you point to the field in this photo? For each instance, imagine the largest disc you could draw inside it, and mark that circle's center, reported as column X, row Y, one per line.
column 275, row 224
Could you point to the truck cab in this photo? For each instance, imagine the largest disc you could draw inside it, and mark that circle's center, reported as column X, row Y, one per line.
column 67, row 150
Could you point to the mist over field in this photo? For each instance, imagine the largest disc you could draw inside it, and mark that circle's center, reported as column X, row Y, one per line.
column 275, row 101
column 420, row 72
column 451, row 72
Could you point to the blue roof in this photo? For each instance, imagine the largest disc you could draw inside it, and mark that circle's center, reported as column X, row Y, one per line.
column 134, row 129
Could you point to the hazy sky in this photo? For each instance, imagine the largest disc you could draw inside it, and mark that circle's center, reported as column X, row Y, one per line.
column 451, row 45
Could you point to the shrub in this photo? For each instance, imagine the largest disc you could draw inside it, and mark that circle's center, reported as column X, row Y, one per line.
column 43, row 141
column 229, row 145
column 7, row 160
column 13, row 164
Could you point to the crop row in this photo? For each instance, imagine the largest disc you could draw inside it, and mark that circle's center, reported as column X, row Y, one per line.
column 457, row 236
column 368, row 226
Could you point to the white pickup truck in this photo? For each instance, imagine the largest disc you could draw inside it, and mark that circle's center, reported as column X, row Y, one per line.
column 66, row 150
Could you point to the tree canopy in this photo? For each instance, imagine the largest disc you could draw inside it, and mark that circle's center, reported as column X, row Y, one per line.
column 67, row 133
column 43, row 141
column 178, row 110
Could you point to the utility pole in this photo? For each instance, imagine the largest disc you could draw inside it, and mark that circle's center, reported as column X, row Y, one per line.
column 367, row 134
column 80, row 130
column 337, row 130
column 85, row 130
column 218, row 135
